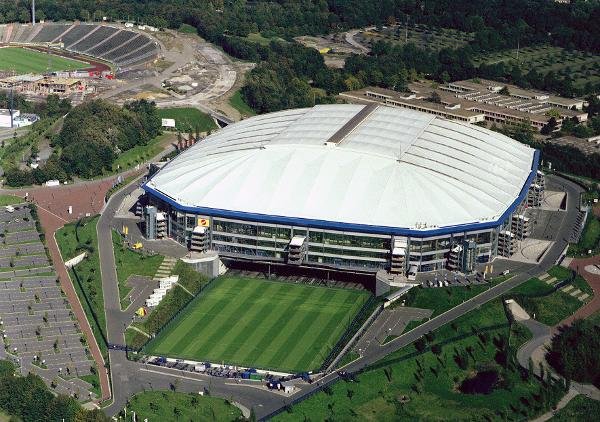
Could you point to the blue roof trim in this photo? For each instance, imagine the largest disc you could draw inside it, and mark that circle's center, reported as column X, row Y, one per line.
column 350, row 227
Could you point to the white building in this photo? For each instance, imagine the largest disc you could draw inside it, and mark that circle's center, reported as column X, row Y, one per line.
column 17, row 119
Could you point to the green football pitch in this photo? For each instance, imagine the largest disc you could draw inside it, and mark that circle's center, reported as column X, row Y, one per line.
column 22, row 60
column 261, row 323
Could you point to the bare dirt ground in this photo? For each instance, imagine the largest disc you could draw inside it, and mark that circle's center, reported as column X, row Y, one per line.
column 191, row 73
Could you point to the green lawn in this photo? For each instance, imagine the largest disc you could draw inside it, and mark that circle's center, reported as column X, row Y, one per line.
column 258, row 38
column 580, row 409
column 237, row 102
column 169, row 405
column 89, row 287
column 261, row 323
column 10, row 200
column 187, row 119
column 562, row 273
column 438, row 299
column 23, row 60
column 121, row 185
column 590, row 238
column 187, row 29
column 139, row 153
column 482, row 339
column 95, row 381
column 549, row 307
column 130, row 262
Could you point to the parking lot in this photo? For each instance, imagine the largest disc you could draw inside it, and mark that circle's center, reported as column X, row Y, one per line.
column 39, row 331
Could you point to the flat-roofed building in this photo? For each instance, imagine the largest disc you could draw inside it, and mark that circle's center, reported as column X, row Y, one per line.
column 451, row 111
column 515, row 103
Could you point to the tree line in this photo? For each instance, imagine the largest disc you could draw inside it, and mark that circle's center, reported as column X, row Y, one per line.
column 495, row 23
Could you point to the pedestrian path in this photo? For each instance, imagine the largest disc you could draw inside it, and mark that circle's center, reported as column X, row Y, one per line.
column 166, row 268
column 576, row 293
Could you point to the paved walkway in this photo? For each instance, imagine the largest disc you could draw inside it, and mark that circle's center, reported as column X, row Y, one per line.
column 593, row 280
column 571, row 394
column 536, row 350
column 50, row 223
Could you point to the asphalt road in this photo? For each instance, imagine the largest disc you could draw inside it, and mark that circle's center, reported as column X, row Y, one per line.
column 129, row 377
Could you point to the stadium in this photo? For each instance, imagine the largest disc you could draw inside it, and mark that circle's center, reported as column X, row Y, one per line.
column 349, row 188
column 123, row 47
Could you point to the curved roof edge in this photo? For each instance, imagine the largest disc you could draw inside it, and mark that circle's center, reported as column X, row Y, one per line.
column 351, row 227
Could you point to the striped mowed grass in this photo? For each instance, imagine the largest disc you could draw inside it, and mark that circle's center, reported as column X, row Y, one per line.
column 23, row 60
column 261, row 323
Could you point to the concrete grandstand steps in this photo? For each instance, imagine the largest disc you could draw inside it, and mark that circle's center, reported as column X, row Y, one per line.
column 73, row 46
column 97, row 36
column 92, row 50
column 120, row 39
column 132, row 55
column 8, row 33
column 36, row 30
column 62, row 34
column 17, row 33
column 134, row 61
column 123, row 46
column 75, row 34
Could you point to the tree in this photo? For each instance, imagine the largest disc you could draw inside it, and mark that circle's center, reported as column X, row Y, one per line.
column 504, row 91
column 573, row 352
column 353, row 83
column 24, row 16
column 435, row 97
column 549, row 127
column 420, row 345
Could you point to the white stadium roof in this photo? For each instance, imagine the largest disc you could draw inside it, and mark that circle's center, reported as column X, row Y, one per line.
column 351, row 164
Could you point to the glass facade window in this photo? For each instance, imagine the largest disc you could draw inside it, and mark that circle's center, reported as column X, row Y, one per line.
column 350, row 252
column 315, row 236
column 359, row 251
column 274, row 232
column 247, row 229
column 343, row 239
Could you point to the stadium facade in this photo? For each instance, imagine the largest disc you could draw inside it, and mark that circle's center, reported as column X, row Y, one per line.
column 351, row 188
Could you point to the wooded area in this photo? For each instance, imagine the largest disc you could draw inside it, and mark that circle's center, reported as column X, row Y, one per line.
column 574, row 353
